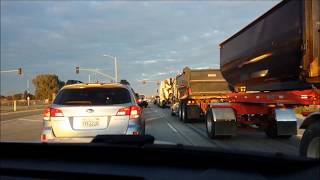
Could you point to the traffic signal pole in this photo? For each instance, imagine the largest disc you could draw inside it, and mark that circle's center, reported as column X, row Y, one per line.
column 19, row 70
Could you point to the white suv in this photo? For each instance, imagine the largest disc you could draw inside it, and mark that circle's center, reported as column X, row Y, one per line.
column 82, row 111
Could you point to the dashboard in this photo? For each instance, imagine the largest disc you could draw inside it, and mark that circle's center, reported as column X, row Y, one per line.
column 151, row 161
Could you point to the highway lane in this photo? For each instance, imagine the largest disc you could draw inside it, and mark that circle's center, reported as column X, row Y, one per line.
column 4, row 116
column 167, row 128
column 247, row 139
column 21, row 127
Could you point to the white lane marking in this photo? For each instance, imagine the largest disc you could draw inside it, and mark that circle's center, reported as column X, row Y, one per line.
column 152, row 118
column 173, row 129
column 31, row 120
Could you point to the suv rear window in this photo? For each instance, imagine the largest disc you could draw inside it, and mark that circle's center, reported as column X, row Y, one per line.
column 93, row 96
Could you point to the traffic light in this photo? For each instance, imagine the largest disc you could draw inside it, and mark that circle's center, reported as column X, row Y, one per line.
column 20, row 71
column 77, row 70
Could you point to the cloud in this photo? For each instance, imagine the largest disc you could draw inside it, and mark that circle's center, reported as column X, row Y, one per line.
column 208, row 34
column 153, row 61
column 173, row 60
column 162, row 73
column 173, row 52
column 185, row 38
column 216, row 31
column 204, row 67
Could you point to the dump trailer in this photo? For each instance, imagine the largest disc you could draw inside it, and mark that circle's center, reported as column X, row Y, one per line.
column 277, row 51
column 165, row 92
column 272, row 66
column 196, row 88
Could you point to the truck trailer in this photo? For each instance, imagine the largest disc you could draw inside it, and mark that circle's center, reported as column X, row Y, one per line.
column 195, row 89
column 272, row 66
column 165, row 93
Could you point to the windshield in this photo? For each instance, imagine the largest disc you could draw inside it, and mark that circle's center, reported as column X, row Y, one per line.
column 216, row 74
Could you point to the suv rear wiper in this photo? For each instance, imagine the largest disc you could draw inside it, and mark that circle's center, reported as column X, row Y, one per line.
column 123, row 139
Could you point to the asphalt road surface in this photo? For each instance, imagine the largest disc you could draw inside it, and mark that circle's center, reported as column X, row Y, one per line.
column 165, row 128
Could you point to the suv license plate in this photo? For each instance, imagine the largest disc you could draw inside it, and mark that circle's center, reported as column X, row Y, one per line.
column 88, row 123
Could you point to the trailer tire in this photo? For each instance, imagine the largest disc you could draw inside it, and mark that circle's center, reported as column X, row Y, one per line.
column 209, row 124
column 172, row 113
column 310, row 142
column 271, row 132
column 179, row 113
column 184, row 116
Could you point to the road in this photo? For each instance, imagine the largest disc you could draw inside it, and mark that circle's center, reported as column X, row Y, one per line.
column 165, row 128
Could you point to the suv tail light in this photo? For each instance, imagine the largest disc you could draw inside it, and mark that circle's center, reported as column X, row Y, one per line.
column 52, row 112
column 133, row 111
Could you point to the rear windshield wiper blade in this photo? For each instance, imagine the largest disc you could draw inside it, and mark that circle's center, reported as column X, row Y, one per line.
column 123, row 139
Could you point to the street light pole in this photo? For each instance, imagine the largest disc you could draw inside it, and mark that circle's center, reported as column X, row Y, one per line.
column 115, row 66
column 115, row 69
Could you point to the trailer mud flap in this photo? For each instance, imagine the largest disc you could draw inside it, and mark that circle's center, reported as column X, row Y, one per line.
column 224, row 121
column 193, row 112
column 286, row 122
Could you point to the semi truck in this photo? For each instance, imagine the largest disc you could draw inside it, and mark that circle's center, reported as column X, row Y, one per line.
column 272, row 66
column 165, row 93
column 195, row 89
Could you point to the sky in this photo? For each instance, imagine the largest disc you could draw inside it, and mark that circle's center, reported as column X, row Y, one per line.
column 152, row 40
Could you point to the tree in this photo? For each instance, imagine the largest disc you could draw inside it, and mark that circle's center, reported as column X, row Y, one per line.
column 18, row 96
column 46, row 85
column 25, row 94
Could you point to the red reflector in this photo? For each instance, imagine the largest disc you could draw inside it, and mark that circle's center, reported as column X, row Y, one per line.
column 43, row 138
column 135, row 133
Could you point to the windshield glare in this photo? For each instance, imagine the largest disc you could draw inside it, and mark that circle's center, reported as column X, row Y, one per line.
column 216, row 74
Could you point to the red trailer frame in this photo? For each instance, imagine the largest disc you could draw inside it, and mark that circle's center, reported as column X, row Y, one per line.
column 260, row 107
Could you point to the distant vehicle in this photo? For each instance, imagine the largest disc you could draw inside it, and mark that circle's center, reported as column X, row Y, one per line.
column 82, row 111
column 124, row 82
column 165, row 92
column 195, row 89
column 156, row 100
column 73, row 82
column 142, row 102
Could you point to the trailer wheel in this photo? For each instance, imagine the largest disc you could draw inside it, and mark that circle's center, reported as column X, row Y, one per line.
column 179, row 113
column 172, row 113
column 184, row 116
column 210, row 124
column 310, row 142
column 271, row 132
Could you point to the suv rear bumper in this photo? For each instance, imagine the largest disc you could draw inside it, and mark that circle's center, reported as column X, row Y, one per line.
column 47, row 135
